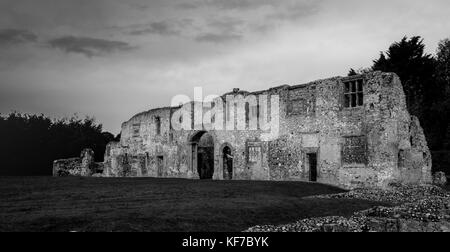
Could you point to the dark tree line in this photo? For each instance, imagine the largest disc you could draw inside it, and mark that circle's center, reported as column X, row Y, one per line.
column 30, row 143
column 426, row 82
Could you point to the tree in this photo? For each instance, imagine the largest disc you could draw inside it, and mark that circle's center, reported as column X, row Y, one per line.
column 443, row 64
column 447, row 138
column 442, row 105
column 415, row 68
column 30, row 143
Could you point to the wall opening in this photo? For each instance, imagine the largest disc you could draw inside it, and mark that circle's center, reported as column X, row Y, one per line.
column 136, row 129
column 227, row 163
column 353, row 93
column 145, row 167
column 312, row 163
column 354, row 150
column 158, row 125
column 160, row 165
column 202, row 149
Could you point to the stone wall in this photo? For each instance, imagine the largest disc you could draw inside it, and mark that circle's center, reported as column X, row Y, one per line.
column 67, row 167
column 84, row 166
column 363, row 146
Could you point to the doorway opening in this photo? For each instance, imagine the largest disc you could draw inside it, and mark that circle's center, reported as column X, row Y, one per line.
column 160, row 165
column 312, row 161
column 227, row 163
column 202, row 145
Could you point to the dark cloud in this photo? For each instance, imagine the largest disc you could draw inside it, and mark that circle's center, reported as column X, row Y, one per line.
column 218, row 38
column 164, row 28
column 44, row 15
column 88, row 46
column 13, row 36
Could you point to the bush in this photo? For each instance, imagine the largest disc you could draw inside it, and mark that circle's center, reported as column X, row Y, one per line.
column 441, row 161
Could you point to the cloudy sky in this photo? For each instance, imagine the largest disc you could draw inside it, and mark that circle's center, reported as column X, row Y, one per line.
column 111, row 59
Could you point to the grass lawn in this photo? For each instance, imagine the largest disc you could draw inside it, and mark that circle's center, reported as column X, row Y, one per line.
column 145, row 204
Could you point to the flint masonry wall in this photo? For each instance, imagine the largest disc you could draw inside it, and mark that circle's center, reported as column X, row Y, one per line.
column 355, row 146
column 83, row 166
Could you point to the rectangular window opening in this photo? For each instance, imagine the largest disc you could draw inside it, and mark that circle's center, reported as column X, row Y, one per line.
column 158, row 125
column 353, row 94
column 254, row 154
column 354, row 150
column 136, row 130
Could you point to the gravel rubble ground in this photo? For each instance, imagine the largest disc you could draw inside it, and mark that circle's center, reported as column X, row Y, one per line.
column 420, row 205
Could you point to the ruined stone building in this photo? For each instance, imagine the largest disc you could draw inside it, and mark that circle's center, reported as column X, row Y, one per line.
column 345, row 131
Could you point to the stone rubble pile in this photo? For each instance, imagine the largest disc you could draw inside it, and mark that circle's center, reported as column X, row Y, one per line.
column 440, row 179
column 394, row 194
column 417, row 209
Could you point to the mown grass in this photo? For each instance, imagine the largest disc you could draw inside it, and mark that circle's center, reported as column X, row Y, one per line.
column 146, row 204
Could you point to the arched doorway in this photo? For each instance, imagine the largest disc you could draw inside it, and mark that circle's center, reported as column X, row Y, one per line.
column 227, row 160
column 202, row 144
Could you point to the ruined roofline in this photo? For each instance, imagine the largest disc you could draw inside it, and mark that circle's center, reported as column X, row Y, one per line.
column 289, row 87
column 154, row 110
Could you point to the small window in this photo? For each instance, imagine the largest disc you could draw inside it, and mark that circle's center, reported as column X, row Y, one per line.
column 247, row 113
column 213, row 116
column 401, row 159
column 254, row 154
column 158, row 125
column 353, row 94
column 136, row 129
column 228, row 113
